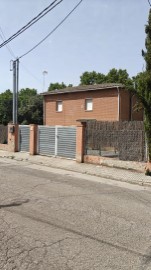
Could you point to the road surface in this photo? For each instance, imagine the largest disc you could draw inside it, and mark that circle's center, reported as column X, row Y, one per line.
column 52, row 219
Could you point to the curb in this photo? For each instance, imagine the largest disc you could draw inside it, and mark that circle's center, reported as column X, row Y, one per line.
column 140, row 183
column 122, row 168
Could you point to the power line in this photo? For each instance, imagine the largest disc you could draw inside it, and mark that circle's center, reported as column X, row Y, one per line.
column 33, row 21
column 7, row 46
column 13, row 55
column 30, row 23
column 66, row 17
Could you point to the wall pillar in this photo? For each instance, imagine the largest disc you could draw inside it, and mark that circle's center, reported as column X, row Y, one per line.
column 33, row 140
column 80, row 142
column 13, row 137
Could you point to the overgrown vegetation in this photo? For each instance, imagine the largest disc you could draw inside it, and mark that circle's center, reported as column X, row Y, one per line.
column 30, row 107
column 113, row 76
column 143, row 85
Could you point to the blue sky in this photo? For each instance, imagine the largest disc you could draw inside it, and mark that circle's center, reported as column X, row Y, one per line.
column 99, row 35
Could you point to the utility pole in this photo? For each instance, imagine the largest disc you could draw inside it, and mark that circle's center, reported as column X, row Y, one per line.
column 15, row 90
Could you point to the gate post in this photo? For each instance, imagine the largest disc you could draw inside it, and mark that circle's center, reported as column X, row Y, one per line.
column 13, row 137
column 33, row 140
column 80, row 141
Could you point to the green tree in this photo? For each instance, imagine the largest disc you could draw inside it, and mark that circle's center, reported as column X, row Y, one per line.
column 143, row 85
column 113, row 76
column 54, row 86
column 70, row 85
column 30, row 107
column 88, row 78
column 6, row 101
column 120, row 76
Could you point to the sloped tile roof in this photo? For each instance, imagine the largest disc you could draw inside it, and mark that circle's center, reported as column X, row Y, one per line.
column 83, row 88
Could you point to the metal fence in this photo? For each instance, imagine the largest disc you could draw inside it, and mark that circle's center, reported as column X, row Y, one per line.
column 3, row 134
column 57, row 141
column 24, row 138
column 121, row 140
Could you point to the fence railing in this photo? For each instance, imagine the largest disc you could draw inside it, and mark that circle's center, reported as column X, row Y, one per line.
column 122, row 140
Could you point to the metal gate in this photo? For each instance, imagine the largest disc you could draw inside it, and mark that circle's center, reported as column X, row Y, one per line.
column 46, row 140
column 24, row 138
column 57, row 141
column 66, row 142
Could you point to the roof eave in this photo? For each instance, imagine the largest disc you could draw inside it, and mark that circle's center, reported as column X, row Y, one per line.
column 81, row 90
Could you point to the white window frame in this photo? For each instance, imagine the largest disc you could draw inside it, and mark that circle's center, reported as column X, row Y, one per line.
column 59, row 106
column 88, row 105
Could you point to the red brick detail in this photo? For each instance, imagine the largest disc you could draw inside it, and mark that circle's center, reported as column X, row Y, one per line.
column 91, row 159
column 33, row 140
column 105, row 107
column 94, row 159
column 80, row 142
column 125, row 110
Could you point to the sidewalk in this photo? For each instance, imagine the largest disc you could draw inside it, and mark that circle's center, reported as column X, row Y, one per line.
column 118, row 174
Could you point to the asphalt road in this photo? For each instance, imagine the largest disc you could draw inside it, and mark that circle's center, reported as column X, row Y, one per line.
column 53, row 219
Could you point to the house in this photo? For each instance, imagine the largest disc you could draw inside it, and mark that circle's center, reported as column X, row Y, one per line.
column 104, row 102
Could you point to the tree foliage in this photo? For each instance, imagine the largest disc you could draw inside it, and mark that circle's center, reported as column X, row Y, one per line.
column 119, row 76
column 93, row 77
column 143, row 85
column 113, row 76
column 6, row 101
column 30, row 107
column 54, row 86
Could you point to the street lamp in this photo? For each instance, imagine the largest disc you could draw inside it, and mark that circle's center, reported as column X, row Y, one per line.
column 44, row 74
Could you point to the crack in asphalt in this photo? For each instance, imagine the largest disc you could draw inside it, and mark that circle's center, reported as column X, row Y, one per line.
column 81, row 234
column 14, row 204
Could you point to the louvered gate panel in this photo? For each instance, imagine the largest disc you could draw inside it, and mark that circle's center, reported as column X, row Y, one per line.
column 24, row 138
column 46, row 140
column 66, row 142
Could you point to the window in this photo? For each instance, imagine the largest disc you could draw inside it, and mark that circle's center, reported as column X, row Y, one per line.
column 88, row 104
column 59, row 106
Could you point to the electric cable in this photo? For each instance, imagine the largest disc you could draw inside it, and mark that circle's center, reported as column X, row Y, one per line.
column 33, row 21
column 66, row 17
column 7, row 46
column 3, row 37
